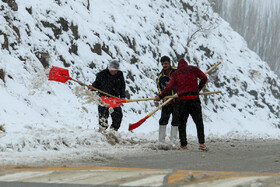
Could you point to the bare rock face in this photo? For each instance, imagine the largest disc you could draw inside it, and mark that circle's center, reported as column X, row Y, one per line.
column 44, row 58
column 2, row 75
column 12, row 4
column 5, row 44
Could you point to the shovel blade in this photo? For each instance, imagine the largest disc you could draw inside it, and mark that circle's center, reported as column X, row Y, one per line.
column 136, row 125
column 59, row 74
column 111, row 101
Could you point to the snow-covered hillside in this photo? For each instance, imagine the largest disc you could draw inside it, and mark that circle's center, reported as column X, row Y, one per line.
column 82, row 36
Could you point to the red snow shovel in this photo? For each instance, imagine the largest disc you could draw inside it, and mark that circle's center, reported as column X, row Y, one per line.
column 62, row 75
column 59, row 74
column 135, row 125
column 116, row 102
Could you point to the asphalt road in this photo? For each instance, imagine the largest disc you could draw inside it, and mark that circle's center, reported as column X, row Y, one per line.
column 234, row 155
column 227, row 163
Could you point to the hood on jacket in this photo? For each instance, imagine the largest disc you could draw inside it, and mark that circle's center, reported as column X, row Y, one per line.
column 182, row 64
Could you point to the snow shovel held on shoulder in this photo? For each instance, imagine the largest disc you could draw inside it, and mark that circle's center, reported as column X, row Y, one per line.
column 62, row 75
column 116, row 102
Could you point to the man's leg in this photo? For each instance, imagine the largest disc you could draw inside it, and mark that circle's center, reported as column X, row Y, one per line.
column 198, row 120
column 103, row 114
column 174, row 123
column 117, row 116
column 183, row 118
column 161, row 133
column 163, row 121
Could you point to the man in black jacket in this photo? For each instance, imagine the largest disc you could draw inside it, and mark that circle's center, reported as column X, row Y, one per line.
column 111, row 81
column 172, row 107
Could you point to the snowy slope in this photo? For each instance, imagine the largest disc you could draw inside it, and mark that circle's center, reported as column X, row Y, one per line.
column 82, row 36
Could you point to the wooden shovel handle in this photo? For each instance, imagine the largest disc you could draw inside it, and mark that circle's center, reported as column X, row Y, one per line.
column 80, row 83
column 203, row 93
column 210, row 69
column 134, row 100
column 83, row 84
column 207, row 93
column 162, row 105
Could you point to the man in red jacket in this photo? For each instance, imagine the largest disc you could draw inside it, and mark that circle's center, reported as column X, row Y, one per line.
column 186, row 80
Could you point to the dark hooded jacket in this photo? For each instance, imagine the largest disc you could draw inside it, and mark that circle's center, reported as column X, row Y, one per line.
column 185, row 79
column 112, row 84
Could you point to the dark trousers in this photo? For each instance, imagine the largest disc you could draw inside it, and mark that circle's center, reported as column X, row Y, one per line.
column 167, row 111
column 190, row 107
column 116, row 115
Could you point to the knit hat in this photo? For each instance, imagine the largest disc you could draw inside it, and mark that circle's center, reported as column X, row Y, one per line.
column 114, row 65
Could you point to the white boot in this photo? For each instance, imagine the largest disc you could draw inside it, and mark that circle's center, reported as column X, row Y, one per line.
column 173, row 134
column 161, row 133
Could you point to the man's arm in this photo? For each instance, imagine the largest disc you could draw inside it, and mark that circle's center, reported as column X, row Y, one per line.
column 203, row 79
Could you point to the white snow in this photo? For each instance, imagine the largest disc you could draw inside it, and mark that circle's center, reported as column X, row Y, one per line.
column 50, row 122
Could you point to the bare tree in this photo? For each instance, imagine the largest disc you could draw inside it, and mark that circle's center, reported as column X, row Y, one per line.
column 204, row 22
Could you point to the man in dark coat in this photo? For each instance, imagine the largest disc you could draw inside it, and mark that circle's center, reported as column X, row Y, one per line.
column 186, row 80
column 172, row 107
column 111, row 81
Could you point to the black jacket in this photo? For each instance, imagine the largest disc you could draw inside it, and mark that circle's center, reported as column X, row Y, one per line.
column 111, row 84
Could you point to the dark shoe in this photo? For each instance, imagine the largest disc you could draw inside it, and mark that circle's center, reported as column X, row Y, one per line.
column 184, row 147
column 203, row 147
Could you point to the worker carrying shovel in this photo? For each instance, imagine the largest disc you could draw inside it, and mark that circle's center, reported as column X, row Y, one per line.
column 111, row 81
column 185, row 78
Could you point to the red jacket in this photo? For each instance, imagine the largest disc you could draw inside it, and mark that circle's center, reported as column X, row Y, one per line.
column 185, row 78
